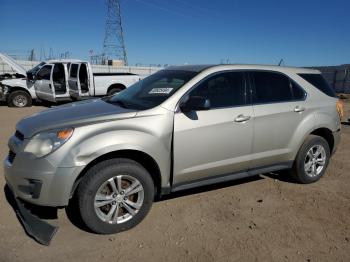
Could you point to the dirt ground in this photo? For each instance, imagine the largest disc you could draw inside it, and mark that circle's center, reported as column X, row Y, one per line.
column 268, row 218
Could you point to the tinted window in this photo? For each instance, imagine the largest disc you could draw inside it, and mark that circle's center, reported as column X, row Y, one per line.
column 271, row 87
column 298, row 92
column 152, row 90
column 74, row 70
column 44, row 73
column 223, row 90
column 319, row 82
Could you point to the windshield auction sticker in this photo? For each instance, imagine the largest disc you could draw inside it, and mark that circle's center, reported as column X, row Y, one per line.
column 161, row 91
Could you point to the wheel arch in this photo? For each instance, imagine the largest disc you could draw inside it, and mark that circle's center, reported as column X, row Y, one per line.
column 121, row 86
column 327, row 134
column 18, row 88
column 140, row 157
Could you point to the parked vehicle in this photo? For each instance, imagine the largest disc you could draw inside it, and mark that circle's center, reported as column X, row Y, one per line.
column 180, row 128
column 60, row 80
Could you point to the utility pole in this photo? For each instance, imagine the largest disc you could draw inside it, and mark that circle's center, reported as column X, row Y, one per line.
column 113, row 44
column 32, row 55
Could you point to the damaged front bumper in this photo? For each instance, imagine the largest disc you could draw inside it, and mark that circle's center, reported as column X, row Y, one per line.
column 3, row 92
column 35, row 227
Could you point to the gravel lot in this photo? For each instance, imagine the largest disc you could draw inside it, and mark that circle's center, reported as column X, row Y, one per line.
column 268, row 218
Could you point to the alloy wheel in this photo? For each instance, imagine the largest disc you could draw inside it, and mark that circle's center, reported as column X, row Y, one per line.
column 119, row 199
column 315, row 160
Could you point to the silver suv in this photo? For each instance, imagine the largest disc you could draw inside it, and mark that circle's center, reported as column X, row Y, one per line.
column 182, row 127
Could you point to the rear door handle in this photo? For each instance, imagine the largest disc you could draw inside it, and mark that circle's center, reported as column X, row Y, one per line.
column 299, row 109
column 242, row 118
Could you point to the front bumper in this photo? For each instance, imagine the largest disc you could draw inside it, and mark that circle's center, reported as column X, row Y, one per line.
column 3, row 92
column 39, row 229
column 39, row 182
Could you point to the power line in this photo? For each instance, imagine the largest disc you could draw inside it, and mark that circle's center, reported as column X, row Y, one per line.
column 160, row 8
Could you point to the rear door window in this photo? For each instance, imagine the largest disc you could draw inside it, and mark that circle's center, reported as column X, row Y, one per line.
column 271, row 87
column 320, row 83
column 298, row 92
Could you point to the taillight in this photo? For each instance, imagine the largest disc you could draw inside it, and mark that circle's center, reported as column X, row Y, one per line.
column 340, row 109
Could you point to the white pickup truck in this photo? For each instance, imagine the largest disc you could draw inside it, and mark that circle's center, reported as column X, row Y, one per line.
column 59, row 80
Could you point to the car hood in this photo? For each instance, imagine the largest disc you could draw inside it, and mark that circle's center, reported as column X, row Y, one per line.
column 13, row 64
column 72, row 115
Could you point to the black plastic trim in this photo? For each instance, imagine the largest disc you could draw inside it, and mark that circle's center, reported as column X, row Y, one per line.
column 232, row 176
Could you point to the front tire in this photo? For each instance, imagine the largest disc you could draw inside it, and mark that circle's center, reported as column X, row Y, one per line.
column 19, row 99
column 115, row 195
column 312, row 160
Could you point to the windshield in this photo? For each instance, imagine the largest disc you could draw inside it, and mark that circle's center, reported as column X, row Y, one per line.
column 153, row 90
column 35, row 69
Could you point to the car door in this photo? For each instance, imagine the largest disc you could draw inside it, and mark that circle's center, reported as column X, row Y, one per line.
column 43, row 85
column 73, row 80
column 79, row 80
column 84, row 80
column 279, row 106
column 217, row 141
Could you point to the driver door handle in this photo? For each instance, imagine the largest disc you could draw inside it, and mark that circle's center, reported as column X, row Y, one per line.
column 299, row 109
column 242, row 118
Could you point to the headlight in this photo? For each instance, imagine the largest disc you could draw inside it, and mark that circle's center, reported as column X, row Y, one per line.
column 44, row 143
column 3, row 88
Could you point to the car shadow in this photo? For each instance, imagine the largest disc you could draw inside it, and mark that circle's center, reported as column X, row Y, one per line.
column 283, row 176
column 50, row 213
column 208, row 188
column 346, row 123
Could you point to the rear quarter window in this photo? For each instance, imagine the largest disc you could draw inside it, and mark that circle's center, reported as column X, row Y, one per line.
column 320, row 83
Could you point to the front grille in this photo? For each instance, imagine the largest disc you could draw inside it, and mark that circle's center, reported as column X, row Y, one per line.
column 11, row 156
column 19, row 135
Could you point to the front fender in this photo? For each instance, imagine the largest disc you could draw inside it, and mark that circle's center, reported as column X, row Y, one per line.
column 20, row 83
column 150, row 135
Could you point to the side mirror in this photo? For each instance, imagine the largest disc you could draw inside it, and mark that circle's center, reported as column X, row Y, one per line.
column 30, row 76
column 195, row 103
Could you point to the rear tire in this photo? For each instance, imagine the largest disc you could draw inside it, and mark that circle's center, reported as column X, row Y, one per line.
column 19, row 99
column 312, row 160
column 106, row 199
column 114, row 90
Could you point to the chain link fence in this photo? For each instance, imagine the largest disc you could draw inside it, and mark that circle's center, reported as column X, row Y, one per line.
column 338, row 77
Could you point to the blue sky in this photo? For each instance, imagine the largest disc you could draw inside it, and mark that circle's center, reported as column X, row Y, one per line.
column 302, row 32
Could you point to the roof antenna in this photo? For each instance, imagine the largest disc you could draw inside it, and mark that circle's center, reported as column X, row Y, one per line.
column 281, row 63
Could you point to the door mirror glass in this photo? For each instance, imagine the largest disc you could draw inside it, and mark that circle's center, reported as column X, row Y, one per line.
column 195, row 103
column 30, row 76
